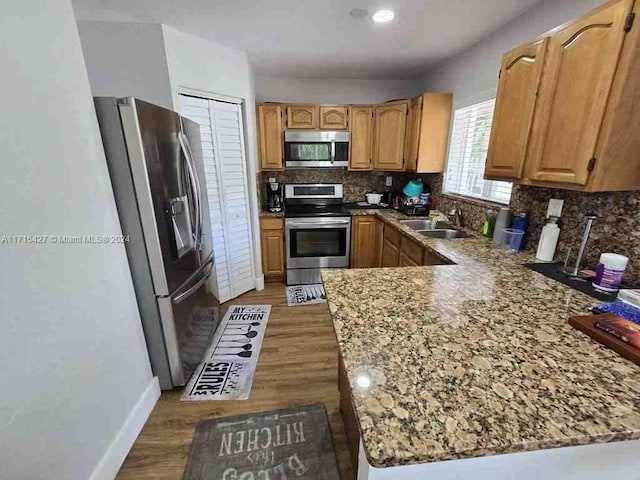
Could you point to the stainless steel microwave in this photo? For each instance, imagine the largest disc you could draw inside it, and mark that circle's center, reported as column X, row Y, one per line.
column 316, row 149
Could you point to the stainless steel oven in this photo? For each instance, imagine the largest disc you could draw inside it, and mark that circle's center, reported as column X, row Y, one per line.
column 316, row 149
column 317, row 231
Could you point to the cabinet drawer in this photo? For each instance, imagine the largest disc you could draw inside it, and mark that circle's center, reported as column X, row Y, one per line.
column 412, row 249
column 271, row 223
column 392, row 235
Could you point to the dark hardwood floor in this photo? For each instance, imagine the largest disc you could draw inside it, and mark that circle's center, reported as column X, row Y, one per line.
column 298, row 365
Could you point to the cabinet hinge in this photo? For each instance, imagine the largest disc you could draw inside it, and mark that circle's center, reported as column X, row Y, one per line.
column 499, row 74
column 628, row 23
column 592, row 164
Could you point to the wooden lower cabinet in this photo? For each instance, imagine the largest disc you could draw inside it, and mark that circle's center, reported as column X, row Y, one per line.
column 348, row 417
column 390, row 255
column 405, row 261
column 366, row 241
column 432, row 259
column 272, row 241
column 412, row 251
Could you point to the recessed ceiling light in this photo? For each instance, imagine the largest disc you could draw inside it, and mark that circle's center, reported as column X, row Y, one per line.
column 383, row 16
column 359, row 13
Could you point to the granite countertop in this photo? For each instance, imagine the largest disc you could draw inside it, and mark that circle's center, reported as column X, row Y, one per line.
column 268, row 214
column 474, row 359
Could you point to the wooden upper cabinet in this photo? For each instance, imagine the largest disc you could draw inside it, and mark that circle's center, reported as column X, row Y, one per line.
column 412, row 136
column 270, row 139
column 579, row 73
column 389, row 129
column 333, row 118
column 515, row 105
column 302, row 116
column 360, row 135
column 433, row 122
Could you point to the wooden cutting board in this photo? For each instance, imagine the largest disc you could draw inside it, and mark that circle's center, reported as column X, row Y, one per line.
column 586, row 324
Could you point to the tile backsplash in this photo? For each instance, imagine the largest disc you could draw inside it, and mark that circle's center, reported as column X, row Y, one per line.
column 356, row 184
column 616, row 229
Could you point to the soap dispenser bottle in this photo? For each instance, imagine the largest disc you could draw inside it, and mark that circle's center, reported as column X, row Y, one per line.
column 548, row 240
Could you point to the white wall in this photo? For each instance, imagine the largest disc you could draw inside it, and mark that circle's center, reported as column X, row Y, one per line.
column 74, row 362
column 475, row 70
column 331, row 90
column 200, row 65
column 126, row 59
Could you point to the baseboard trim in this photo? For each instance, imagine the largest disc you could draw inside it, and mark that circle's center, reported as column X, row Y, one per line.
column 260, row 282
column 113, row 458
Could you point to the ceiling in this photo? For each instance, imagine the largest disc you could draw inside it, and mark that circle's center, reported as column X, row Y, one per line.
column 318, row 38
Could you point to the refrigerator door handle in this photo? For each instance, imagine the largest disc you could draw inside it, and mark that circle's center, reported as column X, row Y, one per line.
column 207, row 269
column 195, row 186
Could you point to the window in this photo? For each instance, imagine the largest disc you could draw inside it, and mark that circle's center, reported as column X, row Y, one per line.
column 468, row 153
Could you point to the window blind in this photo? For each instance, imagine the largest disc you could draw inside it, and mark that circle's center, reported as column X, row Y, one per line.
column 468, row 153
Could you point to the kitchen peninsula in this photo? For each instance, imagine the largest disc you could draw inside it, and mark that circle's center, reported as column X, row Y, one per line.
column 471, row 361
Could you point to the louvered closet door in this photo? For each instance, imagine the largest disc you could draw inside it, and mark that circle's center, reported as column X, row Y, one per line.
column 226, row 179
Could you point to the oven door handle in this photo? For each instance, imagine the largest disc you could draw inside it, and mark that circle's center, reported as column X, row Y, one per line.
column 318, row 225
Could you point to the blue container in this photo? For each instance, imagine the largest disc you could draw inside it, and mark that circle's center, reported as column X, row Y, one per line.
column 413, row 189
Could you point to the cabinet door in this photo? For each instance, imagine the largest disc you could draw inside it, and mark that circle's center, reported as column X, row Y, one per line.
column 432, row 259
column 413, row 134
column 361, row 130
column 412, row 250
column 405, row 261
column 579, row 71
column 390, row 254
column 432, row 142
column 389, row 131
column 333, row 118
column 272, row 252
column 302, row 116
column 270, row 137
column 364, row 253
column 379, row 240
column 515, row 103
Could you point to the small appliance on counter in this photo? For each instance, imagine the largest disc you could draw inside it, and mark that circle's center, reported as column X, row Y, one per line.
column 415, row 206
column 275, row 201
column 373, row 198
column 415, row 200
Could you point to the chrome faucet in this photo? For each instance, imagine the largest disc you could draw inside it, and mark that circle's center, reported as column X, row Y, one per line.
column 455, row 215
column 585, row 237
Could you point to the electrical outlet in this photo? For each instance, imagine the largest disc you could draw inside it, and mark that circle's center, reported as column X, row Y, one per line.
column 389, row 181
column 272, row 179
column 555, row 207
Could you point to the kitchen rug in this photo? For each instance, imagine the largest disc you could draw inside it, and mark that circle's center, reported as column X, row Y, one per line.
column 305, row 295
column 227, row 368
column 290, row 443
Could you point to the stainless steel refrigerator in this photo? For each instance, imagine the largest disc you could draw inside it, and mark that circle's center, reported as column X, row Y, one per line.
column 155, row 163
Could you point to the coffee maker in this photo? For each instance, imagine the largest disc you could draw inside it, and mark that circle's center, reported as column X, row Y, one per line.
column 274, row 197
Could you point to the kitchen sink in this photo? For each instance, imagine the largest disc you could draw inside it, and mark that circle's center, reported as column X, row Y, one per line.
column 431, row 229
column 417, row 224
column 444, row 233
